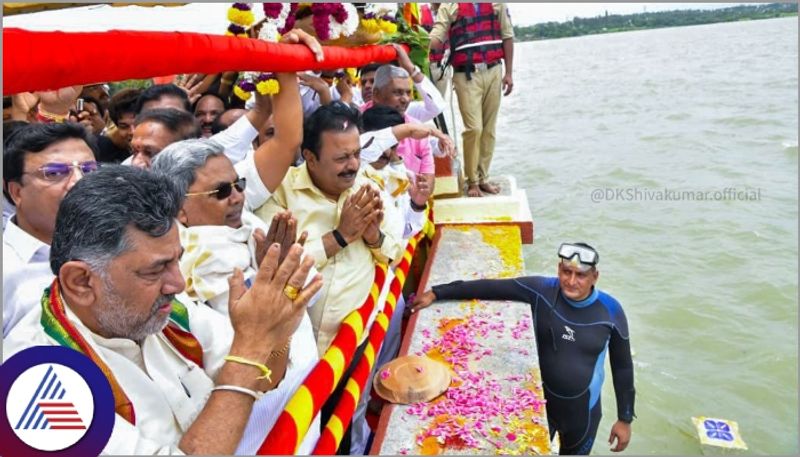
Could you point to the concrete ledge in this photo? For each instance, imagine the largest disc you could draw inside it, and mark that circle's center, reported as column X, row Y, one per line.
column 510, row 206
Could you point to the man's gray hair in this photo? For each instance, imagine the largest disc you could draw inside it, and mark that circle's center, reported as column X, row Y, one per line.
column 94, row 217
column 180, row 161
column 386, row 73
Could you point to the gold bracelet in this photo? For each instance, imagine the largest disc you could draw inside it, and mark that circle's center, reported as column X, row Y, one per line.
column 50, row 116
column 264, row 369
column 276, row 354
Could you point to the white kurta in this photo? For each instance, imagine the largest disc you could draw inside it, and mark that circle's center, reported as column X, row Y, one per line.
column 212, row 252
column 168, row 391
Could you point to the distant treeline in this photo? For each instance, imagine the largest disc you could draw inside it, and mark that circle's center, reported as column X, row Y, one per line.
column 609, row 23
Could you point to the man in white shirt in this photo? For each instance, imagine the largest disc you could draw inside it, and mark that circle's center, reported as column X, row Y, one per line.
column 40, row 165
column 216, row 229
column 116, row 251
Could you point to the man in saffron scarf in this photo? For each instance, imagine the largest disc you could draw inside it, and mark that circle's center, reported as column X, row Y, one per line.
column 184, row 379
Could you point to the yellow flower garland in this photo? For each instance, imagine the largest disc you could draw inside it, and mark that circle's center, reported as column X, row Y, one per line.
column 240, row 93
column 370, row 26
column 268, row 87
column 388, row 27
column 241, row 18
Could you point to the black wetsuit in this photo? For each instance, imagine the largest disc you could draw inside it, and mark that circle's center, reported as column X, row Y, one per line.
column 572, row 339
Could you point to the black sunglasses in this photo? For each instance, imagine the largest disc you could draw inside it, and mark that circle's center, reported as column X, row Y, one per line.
column 224, row 190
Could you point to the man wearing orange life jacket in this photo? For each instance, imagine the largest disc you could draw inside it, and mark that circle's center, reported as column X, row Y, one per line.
column 480, row 36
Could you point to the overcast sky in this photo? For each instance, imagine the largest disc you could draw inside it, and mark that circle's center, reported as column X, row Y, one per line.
column 211, row 17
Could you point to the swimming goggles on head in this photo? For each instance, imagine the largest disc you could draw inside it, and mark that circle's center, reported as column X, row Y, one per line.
column 572, row 254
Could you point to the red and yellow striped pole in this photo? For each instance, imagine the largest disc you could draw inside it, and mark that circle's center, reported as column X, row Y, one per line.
column 293, row 423
column 334, row 430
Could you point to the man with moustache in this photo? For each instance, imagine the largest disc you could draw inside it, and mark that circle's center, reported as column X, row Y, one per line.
column 348, row 229
column 185, row 379
column 424, row 110
column 575, row 325
column 393, row 89
column 207, row 109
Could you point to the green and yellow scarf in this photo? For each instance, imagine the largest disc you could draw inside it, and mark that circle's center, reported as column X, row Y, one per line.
column 57, row 325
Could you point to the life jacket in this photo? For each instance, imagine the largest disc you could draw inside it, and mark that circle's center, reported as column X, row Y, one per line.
column 475, row 36
column 437, row 55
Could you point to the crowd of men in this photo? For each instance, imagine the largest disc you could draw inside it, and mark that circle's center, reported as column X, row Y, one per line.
column 259, row 225
column 204, row 252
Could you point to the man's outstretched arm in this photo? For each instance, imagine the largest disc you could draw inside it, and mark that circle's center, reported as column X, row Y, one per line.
column 517, row 289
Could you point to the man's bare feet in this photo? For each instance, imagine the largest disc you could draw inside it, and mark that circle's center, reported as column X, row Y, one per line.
column 489, row 188
column 474, row 191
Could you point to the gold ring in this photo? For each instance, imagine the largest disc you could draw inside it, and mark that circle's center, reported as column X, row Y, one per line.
column 291, row 292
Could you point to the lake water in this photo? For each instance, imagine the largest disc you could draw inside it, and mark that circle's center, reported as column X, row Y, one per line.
column 709, row 287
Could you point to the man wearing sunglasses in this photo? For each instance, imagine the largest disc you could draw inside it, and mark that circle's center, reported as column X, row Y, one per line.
column 216, row 229
column 40, row 164
column 223, row 246
column 575, row 325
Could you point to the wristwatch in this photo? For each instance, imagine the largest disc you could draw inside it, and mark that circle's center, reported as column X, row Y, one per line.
column 339, row 238
column 416, row 72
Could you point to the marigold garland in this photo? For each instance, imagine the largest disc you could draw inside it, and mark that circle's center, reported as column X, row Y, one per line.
column 241, row 93
column 241, row 17
column 330, row 21
column 279, row 19
column 380, row 18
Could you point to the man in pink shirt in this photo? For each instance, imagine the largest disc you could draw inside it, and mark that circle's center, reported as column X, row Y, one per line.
column 393, row 89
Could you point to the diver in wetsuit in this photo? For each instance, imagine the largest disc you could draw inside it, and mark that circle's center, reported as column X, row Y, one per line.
column 575, row 326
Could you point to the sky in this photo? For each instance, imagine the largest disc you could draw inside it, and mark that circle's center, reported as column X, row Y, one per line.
column 211, row 17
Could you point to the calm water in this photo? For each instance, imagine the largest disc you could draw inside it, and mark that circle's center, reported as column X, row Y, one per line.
column 709, row 287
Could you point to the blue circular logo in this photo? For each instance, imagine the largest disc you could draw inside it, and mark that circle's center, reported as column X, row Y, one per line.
column 56, row 402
